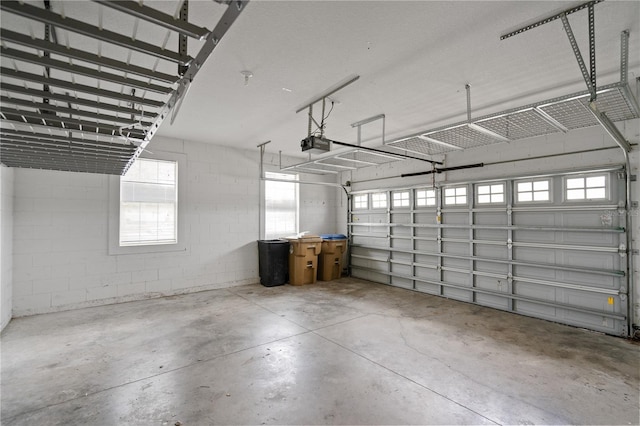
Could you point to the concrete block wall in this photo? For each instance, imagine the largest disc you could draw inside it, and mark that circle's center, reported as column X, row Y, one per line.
column 592, row 138
column 61, row 233
column 6, row 245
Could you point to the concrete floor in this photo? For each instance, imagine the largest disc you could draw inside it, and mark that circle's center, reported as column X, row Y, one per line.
column 341, row 352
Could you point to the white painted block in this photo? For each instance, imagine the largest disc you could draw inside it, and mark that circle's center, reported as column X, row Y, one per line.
column 97, row 293
column 159, row 286
column 50, row 285
column 69, row 297
column 148, row 275
column 24, row 305
column 131, row 288
column 22, row 288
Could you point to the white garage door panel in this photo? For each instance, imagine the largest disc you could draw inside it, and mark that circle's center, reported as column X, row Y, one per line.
column 492, row 301
column 550, row 259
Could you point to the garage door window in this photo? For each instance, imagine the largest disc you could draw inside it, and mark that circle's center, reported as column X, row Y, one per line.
column 360, row 202
column 401, row 199
column 379, row 200
column 455, row 196
column 490, row 194
column 533, row 190
column 586, row 188
column 425, row 197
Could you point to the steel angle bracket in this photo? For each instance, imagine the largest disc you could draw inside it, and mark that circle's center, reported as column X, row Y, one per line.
column 234, row 9
column 588, row 75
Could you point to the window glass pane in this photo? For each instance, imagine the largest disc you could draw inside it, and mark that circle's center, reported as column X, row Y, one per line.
column 461, row 199
column 484, row 198
column 495, row 189
column 148, row 203
column 448, row 192
column 539, row 185
column 379, row 200
column 525, row 196
column 449, row 200
column 595, row 181
column 484, row 189
column 524, row 186
column 575, row 194
column 461, row 190
column 575, row 183
column 497, row 198
column 281, row 206
column 539, row 196
column 593, row 193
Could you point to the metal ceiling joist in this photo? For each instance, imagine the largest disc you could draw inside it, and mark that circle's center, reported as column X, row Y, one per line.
column 66, row 122
column 234, row 9
column 48, row 17
column 80, row 70
column 75, row 100
column 51, row 47
column 156, row 17
column 10, row 134
column 110, row 119
column 80, row 88
column 81, row 126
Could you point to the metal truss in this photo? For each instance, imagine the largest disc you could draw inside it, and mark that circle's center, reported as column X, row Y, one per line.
column 66, row 107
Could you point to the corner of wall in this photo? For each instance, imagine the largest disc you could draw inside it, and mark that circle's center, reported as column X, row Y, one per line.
column 6, row 245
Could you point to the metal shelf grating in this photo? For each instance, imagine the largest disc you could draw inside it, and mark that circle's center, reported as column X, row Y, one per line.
column 85, row 89
column 420, row 146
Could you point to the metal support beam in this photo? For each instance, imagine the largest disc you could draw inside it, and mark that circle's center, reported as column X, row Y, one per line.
column 611, row 128
column 74, row 100
column 578, row 55
column 549, row 19
column 156, row 17
column 228, row 18
column 48, row 122
column 48, row 17
column 111, row 119
column 183, row 40
column 399, row 156
column 552, row 121
column 52, row 117
column 75, row 87
column 329, row 93
column 592, row 49
column 50, row 47
column 94, row 142
column 77, row 69
column 624, row 57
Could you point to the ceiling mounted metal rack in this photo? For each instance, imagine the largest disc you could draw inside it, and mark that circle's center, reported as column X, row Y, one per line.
column 86, row 85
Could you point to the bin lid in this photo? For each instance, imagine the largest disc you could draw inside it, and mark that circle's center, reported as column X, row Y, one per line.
column 333, row 236
column 277, row 241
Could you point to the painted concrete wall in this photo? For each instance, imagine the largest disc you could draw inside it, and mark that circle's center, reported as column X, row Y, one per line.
column 62, row 258
column 6, row 244
column 387, row 176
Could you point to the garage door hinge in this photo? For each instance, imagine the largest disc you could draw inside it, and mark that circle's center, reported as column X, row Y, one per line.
column 635, row 251
column 633, row 178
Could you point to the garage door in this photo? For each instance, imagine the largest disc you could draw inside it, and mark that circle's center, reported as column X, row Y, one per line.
column 548, row 246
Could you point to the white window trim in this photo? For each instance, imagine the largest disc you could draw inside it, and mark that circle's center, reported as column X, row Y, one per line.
column 386, row 201
column 533, row 180
column 444, row 196
column 114, row 211
column 490, row 194
column 426, row 198
column 393, row 199
column 263, row 207
column 366, row 196
column 607, row 188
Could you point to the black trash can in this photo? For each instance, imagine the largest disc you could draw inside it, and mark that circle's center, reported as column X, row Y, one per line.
column 274, row 262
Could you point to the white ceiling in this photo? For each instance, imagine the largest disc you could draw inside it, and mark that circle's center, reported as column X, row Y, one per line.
column 413, row 59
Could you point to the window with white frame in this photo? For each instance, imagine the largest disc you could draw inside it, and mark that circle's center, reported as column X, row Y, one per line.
column 586, row 187
column 280, row 205
column 149, row 203
column 425, row 197
column 379, row 200
column 401, row 199
column 361, row 202
column 490, row 194
column 455, row 196
column 535, row 190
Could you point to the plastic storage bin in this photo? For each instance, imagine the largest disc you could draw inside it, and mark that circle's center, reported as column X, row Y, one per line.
column 330, row 262
column 273, row 256
column 303, row 260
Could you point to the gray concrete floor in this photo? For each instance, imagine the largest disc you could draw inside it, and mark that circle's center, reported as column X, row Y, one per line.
column 341, row 352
